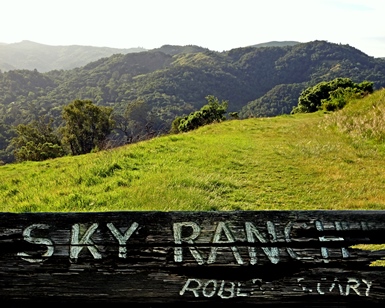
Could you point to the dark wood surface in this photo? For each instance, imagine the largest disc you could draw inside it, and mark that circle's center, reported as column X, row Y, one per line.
column 161, row 259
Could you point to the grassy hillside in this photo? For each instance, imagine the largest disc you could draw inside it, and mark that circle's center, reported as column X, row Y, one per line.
column 306, row 161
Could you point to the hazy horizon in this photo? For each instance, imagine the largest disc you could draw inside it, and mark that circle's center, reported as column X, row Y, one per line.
column 214, row 24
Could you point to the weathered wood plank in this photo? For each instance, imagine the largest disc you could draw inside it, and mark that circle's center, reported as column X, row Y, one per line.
column 165, row 258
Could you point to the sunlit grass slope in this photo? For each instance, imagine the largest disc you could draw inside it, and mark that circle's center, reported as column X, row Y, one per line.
column 308, row 161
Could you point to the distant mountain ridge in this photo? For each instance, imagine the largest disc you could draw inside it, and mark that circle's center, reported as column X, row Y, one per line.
column 44, row 58
column 30, row 55
column 176, row 49
column 276, row 44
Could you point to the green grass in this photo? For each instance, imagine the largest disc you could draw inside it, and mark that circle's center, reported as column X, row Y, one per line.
column 297, row 162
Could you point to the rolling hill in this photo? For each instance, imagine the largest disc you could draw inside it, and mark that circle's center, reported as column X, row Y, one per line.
column 291, row 162
column 30, row 55
column 173, row 81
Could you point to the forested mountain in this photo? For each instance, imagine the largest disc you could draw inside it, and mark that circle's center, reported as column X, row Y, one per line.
column 44, row 58
column 173, row 81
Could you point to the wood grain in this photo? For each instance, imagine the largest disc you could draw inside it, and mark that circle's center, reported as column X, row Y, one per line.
column 155, row 259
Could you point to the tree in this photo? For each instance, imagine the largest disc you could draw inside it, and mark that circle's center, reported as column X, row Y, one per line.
column 213, row 111
column 312, row 98
column 86, row 126
column 6, row 135
column 135, row 121
column 37, row 141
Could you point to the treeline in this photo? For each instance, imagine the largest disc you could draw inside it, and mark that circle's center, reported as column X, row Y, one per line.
column 89, row 128
column 151, row 89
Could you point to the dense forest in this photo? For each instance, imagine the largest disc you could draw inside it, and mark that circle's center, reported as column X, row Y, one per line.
column 159, row 85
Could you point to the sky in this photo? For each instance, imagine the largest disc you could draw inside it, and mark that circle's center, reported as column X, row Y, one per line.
column 215, row 24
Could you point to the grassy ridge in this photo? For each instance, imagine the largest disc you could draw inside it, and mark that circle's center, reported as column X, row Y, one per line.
column 305, row 161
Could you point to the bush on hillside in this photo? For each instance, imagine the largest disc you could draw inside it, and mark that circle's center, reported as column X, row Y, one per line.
column 214, row 111
column 331, row 95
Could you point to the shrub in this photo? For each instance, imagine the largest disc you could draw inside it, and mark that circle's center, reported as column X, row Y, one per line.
column 213, row 111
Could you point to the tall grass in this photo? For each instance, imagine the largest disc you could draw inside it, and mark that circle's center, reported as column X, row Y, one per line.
column 363, row 119
column 303, row 161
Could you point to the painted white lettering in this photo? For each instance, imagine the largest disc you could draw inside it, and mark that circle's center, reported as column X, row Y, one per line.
column 325, row 251
column 77, row 245
column 303, row 288
column 368, row 284
column 122, row 239
column 364, row 225
column 353, row 286
column 230, row 290
column 239, row 292
column 178, row 253
column 319, row 287
column 341, row 289
column 290, row 250
column 272, row 253
column 333, row 285
column 187, row 287
column 210, row 288
column 342, row 226
column 222, row 228
column 287, row 232
column 38, row 241
column 206, row 288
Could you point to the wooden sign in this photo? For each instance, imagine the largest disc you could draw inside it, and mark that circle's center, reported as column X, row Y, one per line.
column 155, row 259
